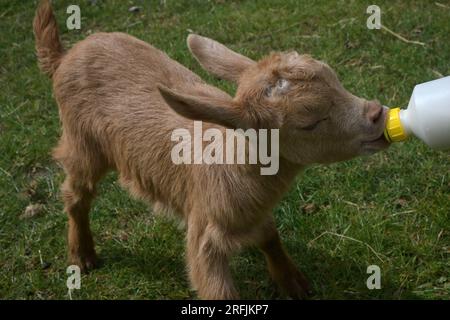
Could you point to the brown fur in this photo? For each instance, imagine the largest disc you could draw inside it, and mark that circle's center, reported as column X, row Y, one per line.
column 120, row 99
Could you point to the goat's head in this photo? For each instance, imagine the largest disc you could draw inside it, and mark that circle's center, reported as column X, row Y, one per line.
column 319, row 120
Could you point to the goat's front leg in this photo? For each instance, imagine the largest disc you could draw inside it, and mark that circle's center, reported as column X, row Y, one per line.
column 281, row 267
column 207, row 260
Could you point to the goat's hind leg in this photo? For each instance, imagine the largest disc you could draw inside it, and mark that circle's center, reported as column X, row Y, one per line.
column 77, row 198
column 78, row 191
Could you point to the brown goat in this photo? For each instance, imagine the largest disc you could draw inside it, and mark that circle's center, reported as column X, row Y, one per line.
column 120, row 99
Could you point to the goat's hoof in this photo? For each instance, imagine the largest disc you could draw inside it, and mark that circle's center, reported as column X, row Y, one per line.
column 86, row 262
column 299, row 287
column 295, row 285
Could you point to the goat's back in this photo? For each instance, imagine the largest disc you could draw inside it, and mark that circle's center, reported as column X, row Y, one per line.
column 106, row 89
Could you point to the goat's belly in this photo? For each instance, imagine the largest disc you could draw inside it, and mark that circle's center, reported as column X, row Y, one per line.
column 148, row 193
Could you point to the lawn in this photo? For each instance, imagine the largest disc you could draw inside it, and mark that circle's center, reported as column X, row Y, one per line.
column 391, row 209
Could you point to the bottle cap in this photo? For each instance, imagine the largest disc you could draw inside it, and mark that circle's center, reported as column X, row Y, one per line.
column 394, row 130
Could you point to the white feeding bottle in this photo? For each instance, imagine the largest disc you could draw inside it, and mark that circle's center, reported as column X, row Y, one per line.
column 427, row 116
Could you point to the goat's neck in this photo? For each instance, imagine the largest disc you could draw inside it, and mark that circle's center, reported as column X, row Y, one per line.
column 269, row 189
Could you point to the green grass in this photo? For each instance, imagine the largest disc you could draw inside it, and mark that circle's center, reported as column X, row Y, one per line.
column 394, row 207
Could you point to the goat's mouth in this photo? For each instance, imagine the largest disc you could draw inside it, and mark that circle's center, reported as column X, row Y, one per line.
column 379, row 142
column 376, row 144
column 381, row 139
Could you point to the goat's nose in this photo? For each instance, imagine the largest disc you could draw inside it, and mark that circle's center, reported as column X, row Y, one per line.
column 375, row 110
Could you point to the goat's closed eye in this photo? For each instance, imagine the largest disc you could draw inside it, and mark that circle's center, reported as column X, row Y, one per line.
column 313, row 125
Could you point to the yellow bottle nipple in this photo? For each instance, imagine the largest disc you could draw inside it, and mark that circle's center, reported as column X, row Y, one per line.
column 394, row 130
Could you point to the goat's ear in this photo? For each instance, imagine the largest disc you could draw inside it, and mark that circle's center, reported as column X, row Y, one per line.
column 219, row 110
column 218, row 59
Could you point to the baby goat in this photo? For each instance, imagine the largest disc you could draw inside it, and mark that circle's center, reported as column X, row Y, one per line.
column 119, row 101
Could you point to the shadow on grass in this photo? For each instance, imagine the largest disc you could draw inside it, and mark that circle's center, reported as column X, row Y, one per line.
column 332, row 277
column 163, row 270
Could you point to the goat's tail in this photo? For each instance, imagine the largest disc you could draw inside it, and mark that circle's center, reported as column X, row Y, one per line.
column 49, row 49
